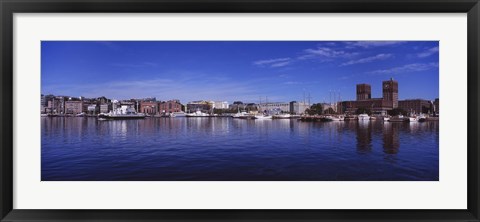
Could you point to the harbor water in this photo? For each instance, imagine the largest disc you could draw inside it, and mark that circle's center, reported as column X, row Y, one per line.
column 228, row 149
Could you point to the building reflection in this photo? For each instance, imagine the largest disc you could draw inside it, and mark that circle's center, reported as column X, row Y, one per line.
column 364, row 136
column 391, row 138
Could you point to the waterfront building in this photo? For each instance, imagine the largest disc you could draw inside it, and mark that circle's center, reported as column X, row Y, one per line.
column 148, row 107
column 364, row 92
column 298, row 108
column 220, row 104
column 73, row 107
column 388, row 102
column 42, row 103
column 390, row 91
column 56, row 105
column 237, row 105
column 203, row 106
column 93, row 109
column 415, row 106
column 102, row 100
column 436, row 106
column 105, row 108
column 278, row 107
column 170, row 106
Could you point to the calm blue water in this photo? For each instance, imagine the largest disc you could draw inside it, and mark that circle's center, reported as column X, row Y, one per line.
column 226, row 149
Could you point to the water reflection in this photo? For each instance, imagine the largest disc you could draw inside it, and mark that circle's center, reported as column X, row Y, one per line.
column 391, row 138
column 233, row 149
column 364, row 136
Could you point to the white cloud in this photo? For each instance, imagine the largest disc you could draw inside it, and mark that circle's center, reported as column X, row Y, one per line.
column 368, row 59
column 370, row 44
column 428, row 52
column 326, row 53
column 278, row 62
column 414, row 67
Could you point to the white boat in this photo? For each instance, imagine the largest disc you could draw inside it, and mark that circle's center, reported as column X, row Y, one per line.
column 399, row 118
column 421, row 118
column 123, row 112
column 197, row 114
column 43, row 115
column 80, row 115
column 363, row 117
column 260, row 117
column 179, row 114
column 332, row 118
column 240, row 115
column 412, row 119
column 282, row 116
column 386, row 118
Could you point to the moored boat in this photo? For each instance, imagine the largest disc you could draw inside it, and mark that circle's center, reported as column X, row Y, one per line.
column 261, row 117
column 197, row 114
column 399, row 118
column 123, row 112
column 282, row 116
column 363, row 117
column 332, row 118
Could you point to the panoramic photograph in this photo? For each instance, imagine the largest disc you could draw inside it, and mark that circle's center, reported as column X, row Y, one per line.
column 239, row 110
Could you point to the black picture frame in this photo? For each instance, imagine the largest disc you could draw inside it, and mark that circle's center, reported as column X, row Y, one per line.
column 9, row 7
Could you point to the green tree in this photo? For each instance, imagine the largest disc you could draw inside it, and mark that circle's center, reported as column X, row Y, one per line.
column 396, row 112
column 329, row 111
column 315, row 109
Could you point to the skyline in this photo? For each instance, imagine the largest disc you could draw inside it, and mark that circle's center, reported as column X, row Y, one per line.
column 238, row 70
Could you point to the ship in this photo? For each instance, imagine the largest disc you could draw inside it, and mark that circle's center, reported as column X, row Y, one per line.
column 197, row 114
column 123, row 112
column 363, row 117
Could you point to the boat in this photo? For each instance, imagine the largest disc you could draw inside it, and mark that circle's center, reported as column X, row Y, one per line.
column 282, row 116
column 261, row 117
column 363, row 117
column 80, row 115
column 43, row 115
column 123, row 112
column 421, row 118
column 179, row 114
column 399, row 118
column 412, row 119
column 386, row 118
column 349, row 117
column 197, row 114
column 240, row 115
column 373, row 118
column 332, row 118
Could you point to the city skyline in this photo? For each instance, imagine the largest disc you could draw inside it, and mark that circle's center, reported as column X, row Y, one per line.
column 238, row 70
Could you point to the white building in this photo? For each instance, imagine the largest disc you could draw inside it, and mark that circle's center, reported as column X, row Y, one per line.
column 298, row 107
column 220, row 104
column 274, row 106
column 104, row 108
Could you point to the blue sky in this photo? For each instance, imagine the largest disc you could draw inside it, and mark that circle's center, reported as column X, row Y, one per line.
column 281, row 71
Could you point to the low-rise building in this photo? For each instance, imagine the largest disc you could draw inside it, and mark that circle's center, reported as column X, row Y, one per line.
column 105, row 108
column 436, row 104
column 415, row 106
column 170, row 106
column 203, row 106
column 149, row 107
column 73, row 107
column 298, row 108
column 93, row 109
column 274, row 106
column 220, row 105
